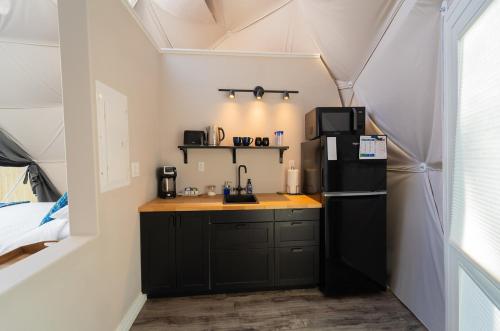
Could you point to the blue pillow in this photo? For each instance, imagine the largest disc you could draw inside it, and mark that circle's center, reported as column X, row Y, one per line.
column 63, row 201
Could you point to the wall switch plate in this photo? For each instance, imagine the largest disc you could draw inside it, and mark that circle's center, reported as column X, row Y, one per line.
column 201, row 166
column 136, row 169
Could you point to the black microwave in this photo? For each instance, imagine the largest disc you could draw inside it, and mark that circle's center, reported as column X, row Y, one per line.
column 331, row 121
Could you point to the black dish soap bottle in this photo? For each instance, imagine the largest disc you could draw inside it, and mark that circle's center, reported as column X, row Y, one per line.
column 249, row 186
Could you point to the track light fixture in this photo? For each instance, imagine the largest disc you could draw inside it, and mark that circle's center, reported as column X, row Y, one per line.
column 258, row 92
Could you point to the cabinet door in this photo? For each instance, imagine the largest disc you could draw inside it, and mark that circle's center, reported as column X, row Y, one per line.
column 246, row 268
column 297, row 266
column 192, row 251
column 157, row 253
column 242, row 255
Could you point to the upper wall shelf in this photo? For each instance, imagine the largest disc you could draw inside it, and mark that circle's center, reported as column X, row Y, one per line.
column 184, row 149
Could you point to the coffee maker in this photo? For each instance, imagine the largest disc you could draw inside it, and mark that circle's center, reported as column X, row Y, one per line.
column 166, row 182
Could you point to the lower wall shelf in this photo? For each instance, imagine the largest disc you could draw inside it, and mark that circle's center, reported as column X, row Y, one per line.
column 185, row 148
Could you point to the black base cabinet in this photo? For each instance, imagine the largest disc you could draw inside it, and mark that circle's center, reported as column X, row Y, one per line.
column 192, row 252
column 186, row 253
column 158, row 253
column 174, row 253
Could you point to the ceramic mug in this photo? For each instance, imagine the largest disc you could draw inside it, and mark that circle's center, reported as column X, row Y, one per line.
column 237, row 141
column 247, row 141
column 265, row 141
column 258, row 141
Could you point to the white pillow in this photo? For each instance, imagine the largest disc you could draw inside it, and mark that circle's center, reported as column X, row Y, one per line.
column 61, row 213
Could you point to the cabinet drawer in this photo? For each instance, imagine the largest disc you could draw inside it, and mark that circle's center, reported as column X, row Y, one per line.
column 297, row 266
column 297, row 233
column 243, row 268
column 232, row 216
column 297, row 214
column 242, row 235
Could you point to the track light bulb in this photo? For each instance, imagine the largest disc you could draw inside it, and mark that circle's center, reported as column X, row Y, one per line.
column 286, row 95
column 231, row 94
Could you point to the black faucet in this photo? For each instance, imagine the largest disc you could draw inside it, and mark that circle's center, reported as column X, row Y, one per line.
column 239, row 188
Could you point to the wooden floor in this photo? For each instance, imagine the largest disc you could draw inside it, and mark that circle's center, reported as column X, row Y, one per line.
column 305, row 309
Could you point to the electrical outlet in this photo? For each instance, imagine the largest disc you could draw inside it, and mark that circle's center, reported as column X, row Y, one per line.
column 201, row 166
column 136, row 169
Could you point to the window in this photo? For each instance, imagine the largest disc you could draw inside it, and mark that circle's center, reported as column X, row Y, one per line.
column 475, row 226
column 472, row 171
column 12, row 187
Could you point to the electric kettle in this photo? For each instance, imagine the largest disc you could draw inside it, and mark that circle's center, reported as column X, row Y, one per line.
column 215, row 135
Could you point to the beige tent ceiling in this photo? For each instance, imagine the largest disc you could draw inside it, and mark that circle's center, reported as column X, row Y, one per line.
column 344, row 32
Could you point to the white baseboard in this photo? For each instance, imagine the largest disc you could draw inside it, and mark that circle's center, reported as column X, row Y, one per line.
column 132, row 312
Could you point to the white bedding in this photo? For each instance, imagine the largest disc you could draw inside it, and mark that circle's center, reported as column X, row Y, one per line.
column 20, row 225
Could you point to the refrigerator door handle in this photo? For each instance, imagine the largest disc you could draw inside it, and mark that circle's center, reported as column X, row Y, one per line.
column 326, row 233
column 353, row 194
column 354, row 120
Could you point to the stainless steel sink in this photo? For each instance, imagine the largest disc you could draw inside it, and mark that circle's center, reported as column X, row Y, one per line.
column 240, row 198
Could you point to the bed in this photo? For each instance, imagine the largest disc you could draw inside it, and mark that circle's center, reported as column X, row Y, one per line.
column 20, row 226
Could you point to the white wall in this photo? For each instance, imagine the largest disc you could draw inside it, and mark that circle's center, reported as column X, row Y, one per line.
column 92, row 288
column 191, row 102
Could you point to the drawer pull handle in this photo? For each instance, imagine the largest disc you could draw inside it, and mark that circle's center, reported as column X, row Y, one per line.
column 296, row 223
column 297, row 210
column 240, row 226
column 296, row 250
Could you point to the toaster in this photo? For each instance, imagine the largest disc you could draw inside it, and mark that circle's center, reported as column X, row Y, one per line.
column 194, row 137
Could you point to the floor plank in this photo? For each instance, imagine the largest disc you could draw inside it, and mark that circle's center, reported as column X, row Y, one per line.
column 302, row 309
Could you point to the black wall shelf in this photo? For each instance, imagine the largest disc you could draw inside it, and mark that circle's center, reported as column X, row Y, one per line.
column 185, row 148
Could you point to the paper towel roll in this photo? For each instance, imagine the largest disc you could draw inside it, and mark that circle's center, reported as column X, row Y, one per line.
column 292, row 182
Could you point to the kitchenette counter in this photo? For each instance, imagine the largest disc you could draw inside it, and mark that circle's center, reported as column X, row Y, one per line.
column 206, row 203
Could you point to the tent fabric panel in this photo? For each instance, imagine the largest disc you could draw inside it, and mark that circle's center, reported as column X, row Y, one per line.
column 282, row 31
column 404, row 104
column 56, row 171
column 30, row 21
column 31, row 76
column 145, row 12
column 236, row 15
column 407, row 59
column 347, row 31
column 187, row 34
column 190, row 10
column 415, row 248
column 24, row 125
column 397, row 158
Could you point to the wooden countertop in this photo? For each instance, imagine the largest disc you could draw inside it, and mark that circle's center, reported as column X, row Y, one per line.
column 204, row 202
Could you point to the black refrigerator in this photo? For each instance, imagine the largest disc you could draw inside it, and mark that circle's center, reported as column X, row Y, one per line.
column 353, row 218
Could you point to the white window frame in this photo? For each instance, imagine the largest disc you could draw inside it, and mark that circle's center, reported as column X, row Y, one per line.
column 458, row 19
